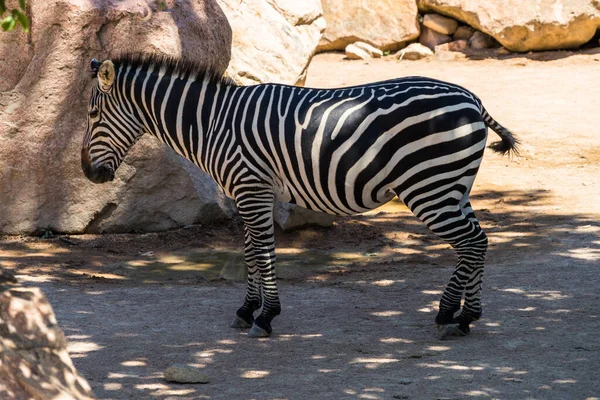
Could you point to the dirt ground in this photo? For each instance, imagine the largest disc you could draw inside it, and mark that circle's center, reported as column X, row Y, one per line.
column 359, row 299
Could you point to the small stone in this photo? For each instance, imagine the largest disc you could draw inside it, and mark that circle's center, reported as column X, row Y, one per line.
column 440, row 24
column 444, row 55
column 503, row 51
column 415, row 51
column 373, row 51
column 512, row 379
column 480, row 41
column 457, row 45
column 404, row 381
column 181, row 373
column 431, row 38
column 353, row 52
column 463, row 33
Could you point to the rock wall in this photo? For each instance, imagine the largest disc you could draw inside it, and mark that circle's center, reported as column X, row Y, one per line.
column 518, row 26
column 34, row 362
column 45, row 87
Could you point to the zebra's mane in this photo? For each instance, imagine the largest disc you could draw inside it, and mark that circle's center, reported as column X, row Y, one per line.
column 173, row 65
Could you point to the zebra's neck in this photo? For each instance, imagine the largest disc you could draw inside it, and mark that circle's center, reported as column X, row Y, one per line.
column 186, row 113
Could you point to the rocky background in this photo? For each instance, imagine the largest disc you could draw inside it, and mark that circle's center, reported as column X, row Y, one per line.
column 423, row 28
column 45, row 83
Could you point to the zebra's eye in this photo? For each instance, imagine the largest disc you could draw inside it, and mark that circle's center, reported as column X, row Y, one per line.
column 93, row 113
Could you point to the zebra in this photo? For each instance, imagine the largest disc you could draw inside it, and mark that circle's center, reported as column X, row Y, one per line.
column 339, row 151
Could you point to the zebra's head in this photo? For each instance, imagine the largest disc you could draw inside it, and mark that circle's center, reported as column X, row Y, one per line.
column 112, row 128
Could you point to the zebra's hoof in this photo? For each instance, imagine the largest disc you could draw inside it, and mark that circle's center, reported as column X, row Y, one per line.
column 257, row 332
column 239, row 323
column 452, row 330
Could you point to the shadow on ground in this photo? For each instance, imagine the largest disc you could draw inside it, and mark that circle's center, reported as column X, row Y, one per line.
column 521, row 227
column 359, row 301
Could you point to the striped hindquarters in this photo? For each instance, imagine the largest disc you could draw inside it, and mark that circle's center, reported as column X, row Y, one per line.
column 346, row 151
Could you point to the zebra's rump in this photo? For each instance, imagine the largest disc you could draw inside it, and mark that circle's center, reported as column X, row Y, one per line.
column 346, row 151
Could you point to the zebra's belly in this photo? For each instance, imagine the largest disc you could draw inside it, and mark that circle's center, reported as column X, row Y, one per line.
column 330, row 203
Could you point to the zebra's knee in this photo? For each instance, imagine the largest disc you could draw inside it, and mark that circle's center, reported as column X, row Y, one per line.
column 476, row 243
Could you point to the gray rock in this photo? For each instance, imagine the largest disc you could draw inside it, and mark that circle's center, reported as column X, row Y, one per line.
column 43, row 118
column 290, row 217
column 182, row 373
column 415, row 51
column 440, row 24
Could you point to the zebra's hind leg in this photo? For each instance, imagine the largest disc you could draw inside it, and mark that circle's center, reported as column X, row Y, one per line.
column 470, row 243
column 453, row 220
column 244, row 317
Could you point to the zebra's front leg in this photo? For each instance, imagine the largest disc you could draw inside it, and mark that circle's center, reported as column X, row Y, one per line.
column 271, row 307
column 244, row 317
column 256, row 209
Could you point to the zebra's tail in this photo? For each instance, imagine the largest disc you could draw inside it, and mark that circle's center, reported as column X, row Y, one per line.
column 509, row 143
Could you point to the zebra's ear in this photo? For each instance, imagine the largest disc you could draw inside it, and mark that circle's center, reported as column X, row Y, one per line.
column 106, row 75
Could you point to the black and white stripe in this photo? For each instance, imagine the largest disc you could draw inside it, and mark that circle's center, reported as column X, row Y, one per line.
column 340, row 151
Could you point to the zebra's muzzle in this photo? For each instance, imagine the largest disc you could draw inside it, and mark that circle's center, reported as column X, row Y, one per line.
column 95, row 174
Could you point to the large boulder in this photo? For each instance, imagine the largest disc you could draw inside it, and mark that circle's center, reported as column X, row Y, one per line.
column 34, row 362
column 44, row 91
column 42, row 119
column 385, row 24
column 273, row 40
column 523, row 26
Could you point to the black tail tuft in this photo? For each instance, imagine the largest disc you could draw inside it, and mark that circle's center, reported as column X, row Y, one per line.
column 509, row 143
